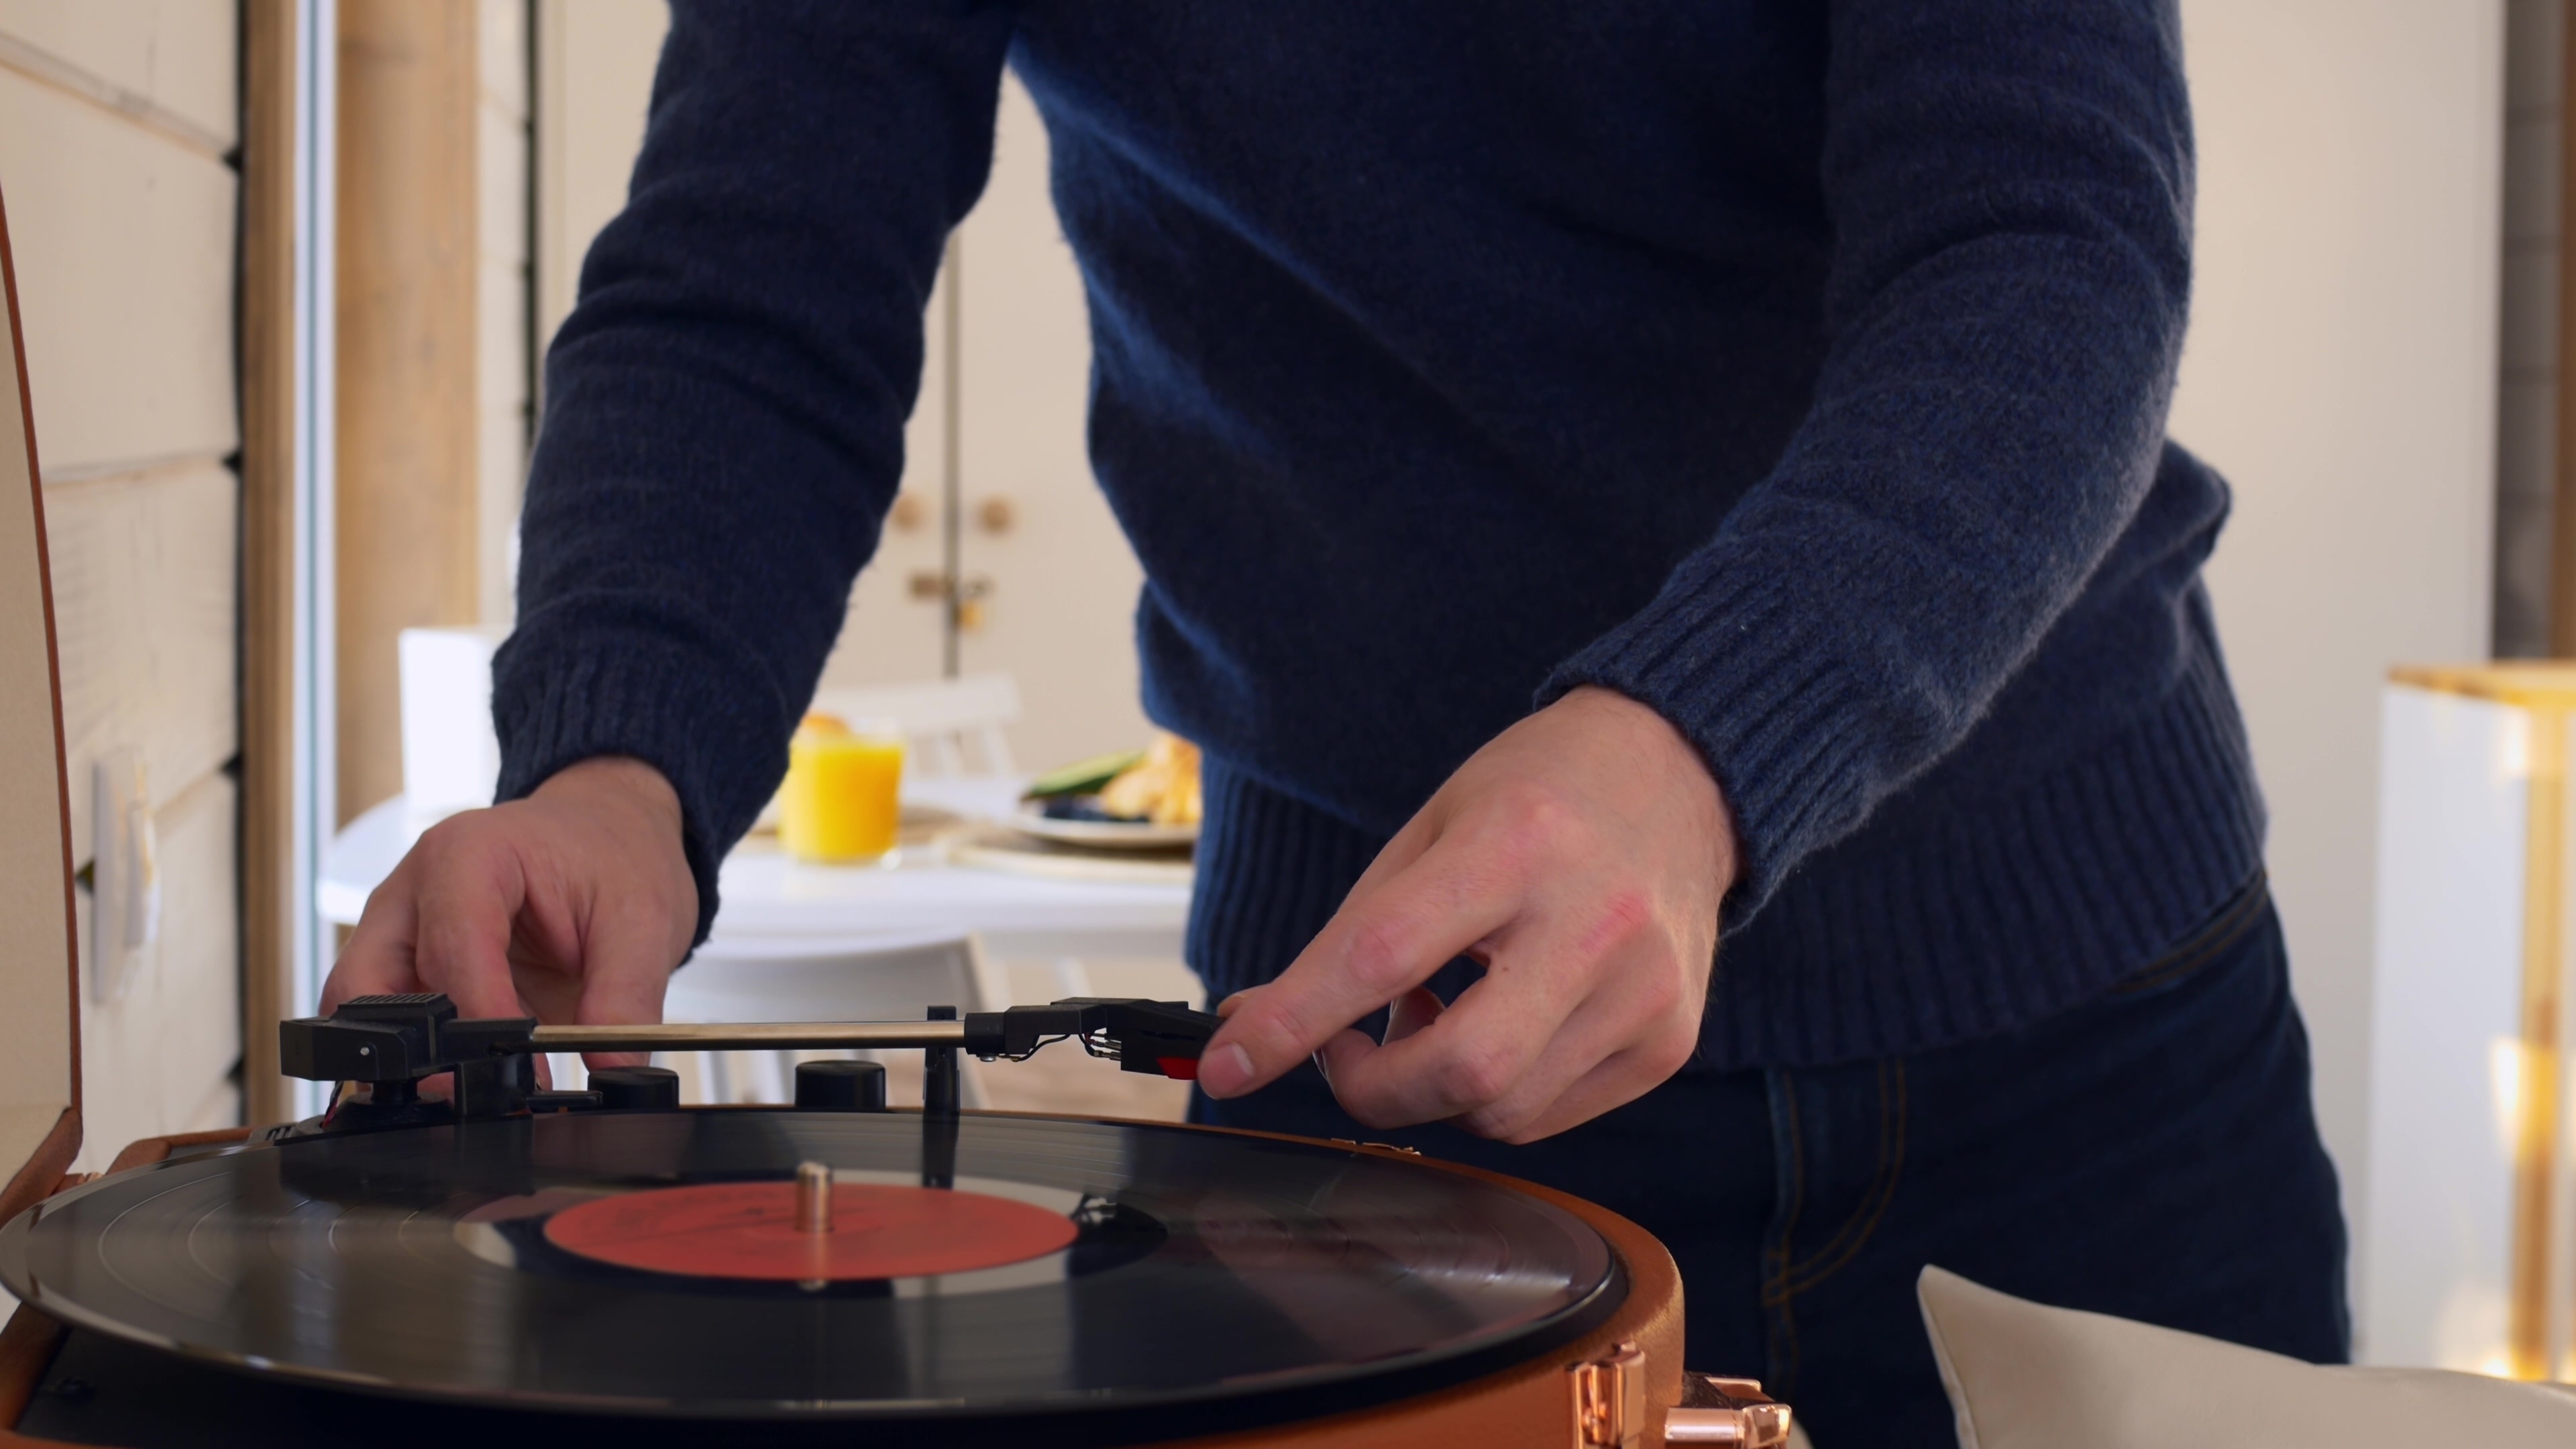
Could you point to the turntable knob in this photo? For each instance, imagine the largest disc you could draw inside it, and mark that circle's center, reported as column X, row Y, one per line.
column 840, row 1086
column 625, row 1089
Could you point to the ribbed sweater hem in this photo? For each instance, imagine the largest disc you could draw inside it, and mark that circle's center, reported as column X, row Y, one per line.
column 1892, row 942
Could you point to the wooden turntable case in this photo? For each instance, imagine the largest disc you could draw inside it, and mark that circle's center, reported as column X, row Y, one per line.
column 40, row 1121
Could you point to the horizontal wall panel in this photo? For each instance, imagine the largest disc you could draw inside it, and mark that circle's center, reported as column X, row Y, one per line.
column 124, row 250
column 157, row 1059
column 146, row 603
column 178, row 56
column 199, row 1016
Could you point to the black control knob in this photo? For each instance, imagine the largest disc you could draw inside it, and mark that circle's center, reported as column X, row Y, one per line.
column 839, row 1086
column 626, row 1089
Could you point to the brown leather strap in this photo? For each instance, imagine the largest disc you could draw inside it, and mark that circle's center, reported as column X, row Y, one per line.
column 158, row 1149
column 27, row 1346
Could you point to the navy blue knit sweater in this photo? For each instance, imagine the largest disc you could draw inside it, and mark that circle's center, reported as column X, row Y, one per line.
column 1799, row 369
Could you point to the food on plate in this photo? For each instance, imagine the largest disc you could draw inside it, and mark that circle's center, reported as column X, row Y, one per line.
column 1158, row 785
column 1163, row 787
column 1082, row 777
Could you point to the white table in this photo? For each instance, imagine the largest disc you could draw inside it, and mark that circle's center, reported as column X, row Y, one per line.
column 767, row 896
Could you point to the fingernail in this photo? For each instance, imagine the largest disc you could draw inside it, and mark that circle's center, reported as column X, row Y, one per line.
column 1323, row 1069
column 1225, row 1071
column 1227, row 1006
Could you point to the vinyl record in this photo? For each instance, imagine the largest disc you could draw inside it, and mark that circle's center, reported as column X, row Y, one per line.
column 1147, row 1281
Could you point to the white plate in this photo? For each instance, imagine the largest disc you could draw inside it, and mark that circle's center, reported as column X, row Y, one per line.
column 1004, row 849
column 1102, row 834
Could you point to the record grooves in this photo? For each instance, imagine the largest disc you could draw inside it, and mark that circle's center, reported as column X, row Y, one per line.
column 1205, row 1281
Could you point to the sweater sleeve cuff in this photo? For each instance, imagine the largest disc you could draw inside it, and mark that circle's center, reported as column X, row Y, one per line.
column 1725, row 654
column 715, row 729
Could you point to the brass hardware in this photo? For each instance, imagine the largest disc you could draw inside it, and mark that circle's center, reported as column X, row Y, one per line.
column 1719, row 1410
column 2536, row 1163
column 680, row 1036
column 909, row 513
column 931, row 586
column 997, row 514
column 1610, row 1399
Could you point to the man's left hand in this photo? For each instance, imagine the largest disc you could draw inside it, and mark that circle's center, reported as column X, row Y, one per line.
column 1581, row 858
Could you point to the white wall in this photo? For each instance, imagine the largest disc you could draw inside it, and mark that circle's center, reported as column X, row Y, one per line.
column 2341, row 373
column 117, row 124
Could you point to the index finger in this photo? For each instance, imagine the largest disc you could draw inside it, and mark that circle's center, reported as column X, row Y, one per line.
column 625, row 975
column 379, row 959
column 1377, row 947
column 440, row 922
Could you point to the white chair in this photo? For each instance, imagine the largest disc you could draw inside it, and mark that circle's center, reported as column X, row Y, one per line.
column 883, row 979
column 939, row 718
column 452, row 759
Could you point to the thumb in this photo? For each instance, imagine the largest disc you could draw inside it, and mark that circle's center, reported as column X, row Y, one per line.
column 1411, row 1012
column 1407, row 1014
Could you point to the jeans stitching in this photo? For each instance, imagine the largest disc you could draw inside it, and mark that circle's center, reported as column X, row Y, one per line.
column 1781, row 1318
column 1781, row 1244
column 1854, row 1222
column 2231, row 925
column 1797, row 1279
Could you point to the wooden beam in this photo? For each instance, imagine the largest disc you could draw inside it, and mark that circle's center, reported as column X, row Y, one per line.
column 2562, row 528
column 406, row 516
column 268, row 548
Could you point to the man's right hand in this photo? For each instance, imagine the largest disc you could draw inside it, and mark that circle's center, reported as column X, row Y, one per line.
column 572, row 905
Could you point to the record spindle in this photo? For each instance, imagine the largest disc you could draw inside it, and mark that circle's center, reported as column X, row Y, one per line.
column 813, row 1198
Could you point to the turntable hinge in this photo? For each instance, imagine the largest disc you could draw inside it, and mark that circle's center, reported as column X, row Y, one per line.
column 1610, row 1399
column 1720, row 1410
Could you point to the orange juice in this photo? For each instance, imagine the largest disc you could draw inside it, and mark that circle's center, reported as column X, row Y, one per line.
column 841, row 799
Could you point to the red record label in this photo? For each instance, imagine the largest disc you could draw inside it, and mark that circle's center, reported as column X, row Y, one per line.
column 748, row 1230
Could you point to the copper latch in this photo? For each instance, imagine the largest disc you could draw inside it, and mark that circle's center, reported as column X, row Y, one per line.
column 1610, row 1399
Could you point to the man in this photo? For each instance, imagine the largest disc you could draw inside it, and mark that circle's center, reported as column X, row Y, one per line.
column 1609, row 476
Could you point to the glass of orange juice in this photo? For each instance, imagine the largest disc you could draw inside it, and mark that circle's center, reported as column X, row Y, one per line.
column 842, row 800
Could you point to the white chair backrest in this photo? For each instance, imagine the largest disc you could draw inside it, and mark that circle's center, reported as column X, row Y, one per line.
column 452, row 759
column 939, row 719
column 883, row 978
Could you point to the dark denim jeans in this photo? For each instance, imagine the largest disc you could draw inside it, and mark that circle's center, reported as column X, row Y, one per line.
column 2151, row 1154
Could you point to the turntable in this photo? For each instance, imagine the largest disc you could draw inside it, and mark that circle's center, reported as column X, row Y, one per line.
column 452, row 1254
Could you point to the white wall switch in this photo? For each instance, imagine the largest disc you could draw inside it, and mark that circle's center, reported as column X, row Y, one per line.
column 125, row 902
